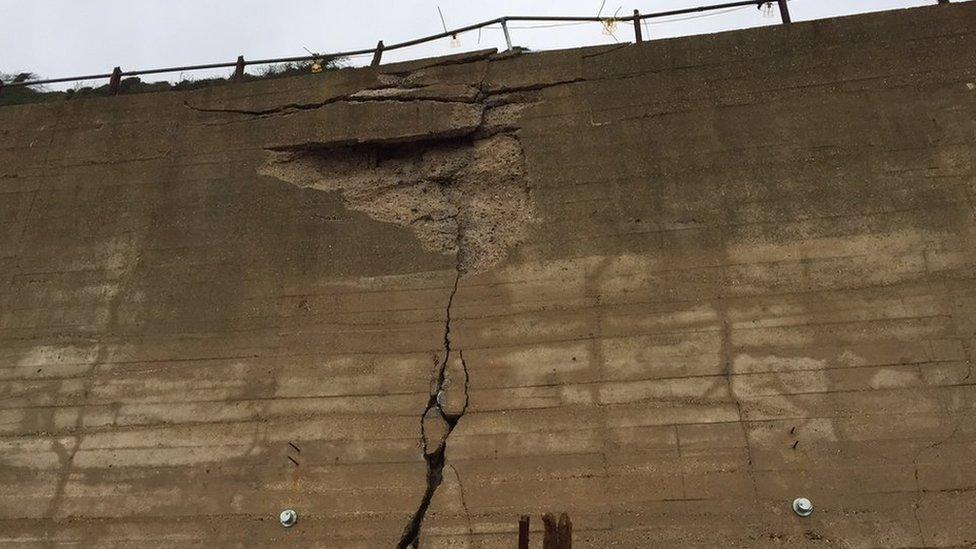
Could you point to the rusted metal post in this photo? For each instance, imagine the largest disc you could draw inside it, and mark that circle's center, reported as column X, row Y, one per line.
column 523, row 532
column 239, row 68
column 114, row 81
column 784, row 12
column 565, row 532
column 637, row 27
column 550, row 537
column 377, row 54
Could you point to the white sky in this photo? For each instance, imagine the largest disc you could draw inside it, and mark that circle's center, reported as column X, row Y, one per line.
column 56, row 38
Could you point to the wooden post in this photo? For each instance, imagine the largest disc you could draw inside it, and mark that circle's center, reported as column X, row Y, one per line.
column 637, row 27
column 523, row 542
column 550, row 537
column 114, row 81
column 239, row 68
column 784, row 12
column 378, row 54
column 565, row 532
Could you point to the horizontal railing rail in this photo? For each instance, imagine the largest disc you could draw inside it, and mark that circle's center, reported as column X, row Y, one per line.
column 117, row 74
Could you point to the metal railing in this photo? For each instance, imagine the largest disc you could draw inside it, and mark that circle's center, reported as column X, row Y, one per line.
column 117, row 73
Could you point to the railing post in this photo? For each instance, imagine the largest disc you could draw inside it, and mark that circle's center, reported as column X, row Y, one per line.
column 114, row 81
column 377, row 54
column 784, row 12
column 523, row 539
column 508, row 39
column 637, row 27
column 239, row 68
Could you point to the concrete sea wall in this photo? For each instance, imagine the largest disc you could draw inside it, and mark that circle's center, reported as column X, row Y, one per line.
column 665, row 288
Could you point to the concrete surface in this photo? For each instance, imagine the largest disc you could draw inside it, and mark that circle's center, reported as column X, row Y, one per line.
column 665, row 288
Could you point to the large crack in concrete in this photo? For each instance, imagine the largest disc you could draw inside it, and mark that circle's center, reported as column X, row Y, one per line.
column 463, row 194
column 446, row 406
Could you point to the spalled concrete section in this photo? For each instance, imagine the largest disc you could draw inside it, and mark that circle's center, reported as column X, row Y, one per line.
column 666, row 288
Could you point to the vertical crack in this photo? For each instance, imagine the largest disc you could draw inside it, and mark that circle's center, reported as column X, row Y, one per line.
column 440, row 415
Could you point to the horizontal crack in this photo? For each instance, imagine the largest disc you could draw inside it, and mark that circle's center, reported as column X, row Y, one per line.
column 292, row 108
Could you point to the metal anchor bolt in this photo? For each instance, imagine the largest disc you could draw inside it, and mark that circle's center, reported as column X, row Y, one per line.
column 802, row 507
column 288, row 518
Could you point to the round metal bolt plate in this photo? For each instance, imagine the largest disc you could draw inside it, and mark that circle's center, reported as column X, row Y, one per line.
column 288, row 518
column 802, row 507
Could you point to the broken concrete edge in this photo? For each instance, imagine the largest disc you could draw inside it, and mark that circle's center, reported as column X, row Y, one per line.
column 403, row 67
column 467, row 196
column 396, row 87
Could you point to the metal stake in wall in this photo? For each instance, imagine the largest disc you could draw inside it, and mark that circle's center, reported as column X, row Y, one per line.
column 114, row 81
column 637, row 27
column 550, row 535
column 377, row 54
column 508, row 39
column 565, row 532
column 523, row 539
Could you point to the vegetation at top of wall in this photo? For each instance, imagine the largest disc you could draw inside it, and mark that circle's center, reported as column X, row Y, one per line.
column 17, row 95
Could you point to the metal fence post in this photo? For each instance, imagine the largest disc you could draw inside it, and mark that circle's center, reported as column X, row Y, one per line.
column 565, row 532
column 377, row 54
column 550, row 537
column 784, row 12
column 114, row 81
column 239, row 68
column 523, row 539
column 637, row 27
column 508, row 39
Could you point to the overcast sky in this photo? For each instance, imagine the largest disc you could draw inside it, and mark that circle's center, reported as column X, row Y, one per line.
column 72, row 37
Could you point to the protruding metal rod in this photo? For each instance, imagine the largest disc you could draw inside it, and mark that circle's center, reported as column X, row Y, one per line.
column 523, row 540
column 508, row 39
column 784, row 12
column 637, row 27
column 550, row 536
column 565, row 532
column 239, row 68
column 377, row 54
column 114, row 81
